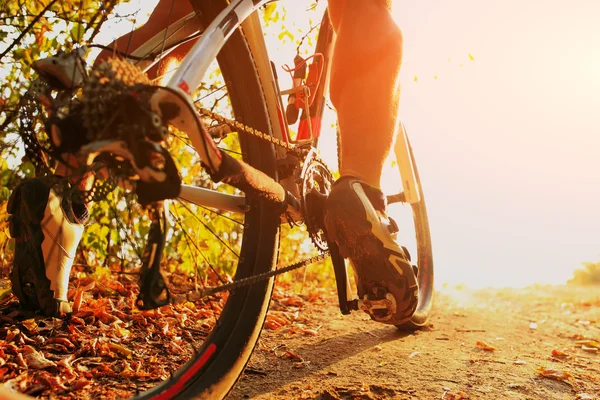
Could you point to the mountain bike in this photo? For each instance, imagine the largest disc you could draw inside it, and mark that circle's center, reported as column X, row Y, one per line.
column 275, row 177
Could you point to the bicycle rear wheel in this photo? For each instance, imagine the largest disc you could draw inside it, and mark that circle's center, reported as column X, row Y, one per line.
column 244, row 314
column 218, row 246
column 221, row 359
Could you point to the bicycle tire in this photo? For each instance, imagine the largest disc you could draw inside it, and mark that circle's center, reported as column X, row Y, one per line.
column 425, row 277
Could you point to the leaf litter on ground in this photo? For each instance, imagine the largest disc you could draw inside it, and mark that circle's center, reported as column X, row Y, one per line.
column 104, row 338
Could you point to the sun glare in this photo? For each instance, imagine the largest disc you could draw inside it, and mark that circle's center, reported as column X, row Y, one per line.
column 167, row 71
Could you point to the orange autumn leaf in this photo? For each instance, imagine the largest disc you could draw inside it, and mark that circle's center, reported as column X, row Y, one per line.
column 310, row 332
column 484, row 346
column 455, row 396
column 558, row 353
column 275, row 322
column 293, row 301
column 555, row 374
column 293, row 356
column 272, row 325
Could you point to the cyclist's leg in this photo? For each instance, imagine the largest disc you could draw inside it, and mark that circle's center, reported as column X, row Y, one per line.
column 364, row 84
column 365, row 92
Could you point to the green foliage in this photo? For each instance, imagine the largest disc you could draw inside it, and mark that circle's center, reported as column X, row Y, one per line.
column 588, row 275
column 34, row 29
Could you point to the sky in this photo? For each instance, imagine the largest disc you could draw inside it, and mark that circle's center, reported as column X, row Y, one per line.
column 504, row 118
column 508, row 143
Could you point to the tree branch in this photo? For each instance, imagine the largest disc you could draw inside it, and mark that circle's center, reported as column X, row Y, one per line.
column 35, row 20
column 101, row 13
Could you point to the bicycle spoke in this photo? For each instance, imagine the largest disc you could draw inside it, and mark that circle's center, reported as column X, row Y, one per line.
column 195, row 245
column 190, row 242
column 222, row 215
column 209, row 94
column 210, row 230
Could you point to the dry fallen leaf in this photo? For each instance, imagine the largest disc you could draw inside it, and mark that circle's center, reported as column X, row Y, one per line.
column 455, row 396
column 35, row 359
column 63, row 341
column 293, row 301
column 275, row 322
column 293, row 356
column 301, row 364
column 484, row 346
column 79, row 384
column 559, row 354
column 585, row 396
column 515, row 386
column 52, row 382
column 122, row 350
column 588, row 343
column 30, row 324
column 555, row 374
column 310, row 332
column 589, row 349
column 520, row 362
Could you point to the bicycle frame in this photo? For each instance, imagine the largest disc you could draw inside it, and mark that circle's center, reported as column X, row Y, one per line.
column 189, row 75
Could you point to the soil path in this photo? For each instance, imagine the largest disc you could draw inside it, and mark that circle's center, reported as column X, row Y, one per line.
column 529, row 331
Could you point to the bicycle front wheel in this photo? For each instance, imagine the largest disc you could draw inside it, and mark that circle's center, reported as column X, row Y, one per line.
column 415, row 234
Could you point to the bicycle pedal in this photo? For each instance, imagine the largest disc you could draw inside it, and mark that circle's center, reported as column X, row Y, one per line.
column 378, row 303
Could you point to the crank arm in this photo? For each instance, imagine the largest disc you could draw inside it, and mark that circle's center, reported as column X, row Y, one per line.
column 256, row 183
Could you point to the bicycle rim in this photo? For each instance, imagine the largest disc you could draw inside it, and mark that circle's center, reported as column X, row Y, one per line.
column 415, row 235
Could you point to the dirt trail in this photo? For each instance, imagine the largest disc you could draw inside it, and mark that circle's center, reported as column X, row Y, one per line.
column 352, row 357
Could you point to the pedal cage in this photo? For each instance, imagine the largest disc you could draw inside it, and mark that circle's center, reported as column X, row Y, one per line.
column 379, row 304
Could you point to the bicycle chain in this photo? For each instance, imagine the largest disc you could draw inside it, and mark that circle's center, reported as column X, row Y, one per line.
column 265, row 275
column 251, row 280
column 251, row 131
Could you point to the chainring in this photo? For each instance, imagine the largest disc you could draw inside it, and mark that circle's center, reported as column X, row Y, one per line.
column 316, row 182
